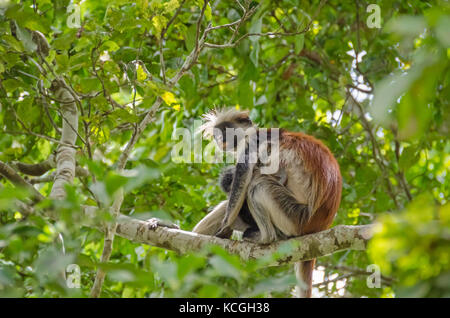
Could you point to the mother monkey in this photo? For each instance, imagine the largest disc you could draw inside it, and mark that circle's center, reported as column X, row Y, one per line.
column 301, row 197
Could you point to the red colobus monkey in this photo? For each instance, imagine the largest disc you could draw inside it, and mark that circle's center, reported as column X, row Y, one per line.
column 301, row 197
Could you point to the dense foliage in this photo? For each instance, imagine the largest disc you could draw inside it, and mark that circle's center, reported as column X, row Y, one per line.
column 377, row 97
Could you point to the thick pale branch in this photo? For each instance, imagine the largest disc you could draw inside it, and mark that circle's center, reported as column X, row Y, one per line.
column 341, row 237
column 338, row 238
column 65, row 158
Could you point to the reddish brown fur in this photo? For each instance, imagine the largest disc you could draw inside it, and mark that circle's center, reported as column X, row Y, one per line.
column 326, row 182
column 326, row 177
column 306, row 271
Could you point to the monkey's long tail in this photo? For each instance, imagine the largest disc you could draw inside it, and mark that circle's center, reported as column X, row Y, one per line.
column 304, row 271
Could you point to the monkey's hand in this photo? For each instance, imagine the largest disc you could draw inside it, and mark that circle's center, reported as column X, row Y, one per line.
column 252, row 235
column 153, row 223
column 225, row 230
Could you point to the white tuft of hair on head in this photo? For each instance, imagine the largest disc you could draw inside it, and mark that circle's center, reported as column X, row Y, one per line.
column 209, row 120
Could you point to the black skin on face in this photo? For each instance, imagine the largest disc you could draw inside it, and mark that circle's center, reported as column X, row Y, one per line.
column 242, row 123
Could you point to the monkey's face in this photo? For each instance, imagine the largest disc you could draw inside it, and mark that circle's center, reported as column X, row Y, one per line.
column 228, row 134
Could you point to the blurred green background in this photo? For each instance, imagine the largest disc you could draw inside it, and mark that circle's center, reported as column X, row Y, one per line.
column 377, row 96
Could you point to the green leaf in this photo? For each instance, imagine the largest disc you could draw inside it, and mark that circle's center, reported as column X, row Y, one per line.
column 407, row 25
column 255, row 28
column 11, row 84
column 254, row 54
column 189, row 38
column 408, row 157
column 16, row 45
column 113, row 182
column 62, row 62
column 224, row 268
column 26, row 38
column 110, row 46
column 245, row 94
column 299, row 43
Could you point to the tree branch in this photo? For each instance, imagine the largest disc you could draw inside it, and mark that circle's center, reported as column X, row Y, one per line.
column 65, row 157
column 79, row 172
column 338, row 238
column 37, row 169
column 355, row 271
column 10, row 174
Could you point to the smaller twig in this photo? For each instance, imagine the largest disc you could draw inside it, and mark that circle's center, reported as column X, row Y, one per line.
column 164, row 30
column 334, row 280
column 241, row 6
column 29, row 132
column 358, row 46
column 278, row 21
column 10, row 174
column 71, row 127
column 48, row 178
column 36, row 169
column 366, row 91
column 368, row 215
column 355, row 271
column 29, row 75
column 222, row 83
column 46, row 107
column 224, row 25
column 376, row 153
column 199, row 22
column 230, row 45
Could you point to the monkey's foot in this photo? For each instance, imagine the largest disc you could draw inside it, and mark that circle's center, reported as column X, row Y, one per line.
column 252, row 235
column 153, row 223
column 224, row 232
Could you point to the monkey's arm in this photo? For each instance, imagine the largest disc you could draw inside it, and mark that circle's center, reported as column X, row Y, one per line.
column 227, row 174
column 241, row 179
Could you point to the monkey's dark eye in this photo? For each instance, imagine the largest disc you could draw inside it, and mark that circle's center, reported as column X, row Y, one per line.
column 244, row 120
